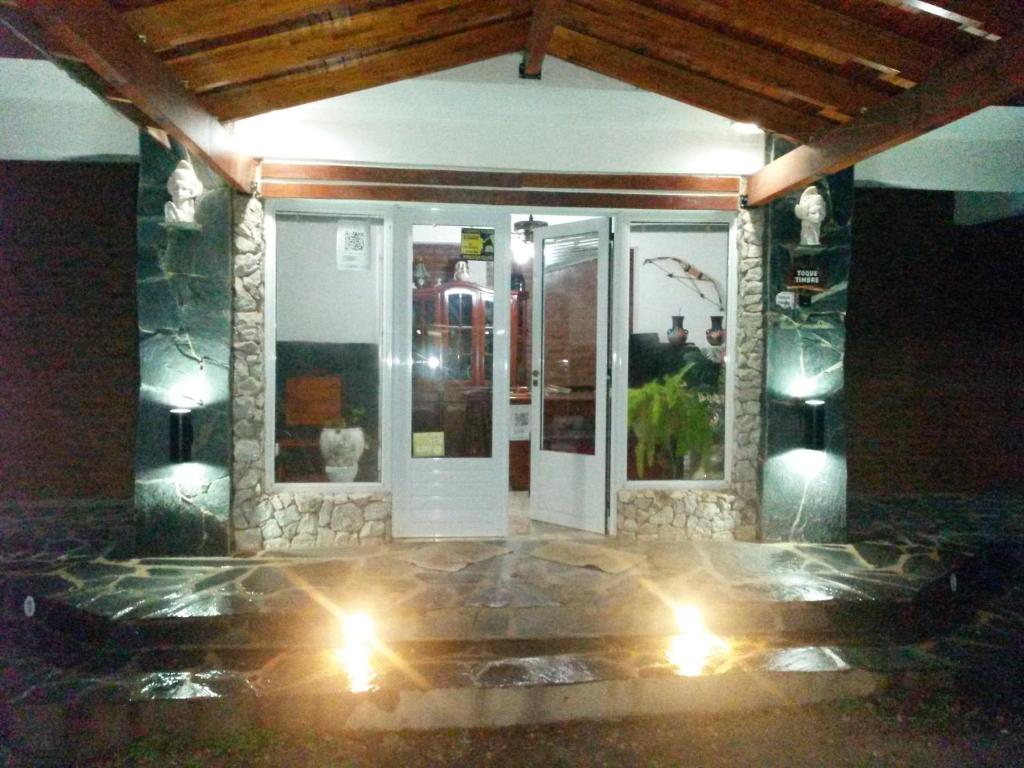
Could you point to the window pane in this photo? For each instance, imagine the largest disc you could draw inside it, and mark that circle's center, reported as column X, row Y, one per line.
column 452, row 354
column 570, row 343
column 677, row 360
column 328, row 349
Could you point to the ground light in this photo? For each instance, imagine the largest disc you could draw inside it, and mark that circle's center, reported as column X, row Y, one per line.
column 691, row 650
column 356, row 652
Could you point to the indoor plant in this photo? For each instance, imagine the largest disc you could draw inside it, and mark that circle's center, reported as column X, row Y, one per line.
column 671, row 420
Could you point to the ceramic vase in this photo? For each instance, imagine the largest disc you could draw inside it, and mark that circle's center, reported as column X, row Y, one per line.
column 716, row 333
column 677, row 334
column 341, row 449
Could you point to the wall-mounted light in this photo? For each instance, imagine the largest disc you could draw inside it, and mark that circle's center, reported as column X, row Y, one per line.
column 814, row 424
column 180, row 435
column 748, row 129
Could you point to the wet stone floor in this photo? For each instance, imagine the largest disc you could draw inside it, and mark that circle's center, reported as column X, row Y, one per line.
column 523, row 612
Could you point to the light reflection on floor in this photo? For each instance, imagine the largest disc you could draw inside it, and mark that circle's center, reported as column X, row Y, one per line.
column 691, row 651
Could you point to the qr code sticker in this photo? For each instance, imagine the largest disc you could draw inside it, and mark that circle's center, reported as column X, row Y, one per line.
column 521, row 420
column 355, row 240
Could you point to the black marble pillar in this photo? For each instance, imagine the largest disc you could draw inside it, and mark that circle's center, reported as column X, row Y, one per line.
column 803, row 487
column 184, row 296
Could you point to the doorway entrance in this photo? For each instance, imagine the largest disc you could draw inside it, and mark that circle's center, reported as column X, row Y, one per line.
column 465, row 375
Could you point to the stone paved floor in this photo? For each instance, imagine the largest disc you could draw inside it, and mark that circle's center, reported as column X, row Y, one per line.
column 903, row 553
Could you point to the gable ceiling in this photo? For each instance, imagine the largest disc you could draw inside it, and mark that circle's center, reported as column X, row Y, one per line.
column 800, row 68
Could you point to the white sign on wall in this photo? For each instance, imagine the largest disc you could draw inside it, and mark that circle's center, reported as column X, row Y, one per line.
column 519, row 422
column 353, row 249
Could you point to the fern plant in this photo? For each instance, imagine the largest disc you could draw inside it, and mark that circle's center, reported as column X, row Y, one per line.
column 670, row 421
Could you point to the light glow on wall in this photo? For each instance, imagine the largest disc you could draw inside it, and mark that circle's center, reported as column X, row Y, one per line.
column 190, row 391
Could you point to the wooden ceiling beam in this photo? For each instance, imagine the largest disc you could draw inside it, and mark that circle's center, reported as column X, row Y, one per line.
column 987, row 76
column 517, row 197
column 724, row 57
column 369, row 71
column 813, row 28
column 354, row 35
column 179, row 22
column 546, row 15
column 682, row 85
column 92, row 31
column 436, row 177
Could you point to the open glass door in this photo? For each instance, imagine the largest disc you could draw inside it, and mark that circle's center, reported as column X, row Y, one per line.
column 570, row 361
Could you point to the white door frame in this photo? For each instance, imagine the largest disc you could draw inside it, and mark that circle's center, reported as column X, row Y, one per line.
column 444, row 497
column 571, row 489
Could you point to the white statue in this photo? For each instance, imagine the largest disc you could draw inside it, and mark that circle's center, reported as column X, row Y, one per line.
column 184, row 187
column 249, row 231
column 462, row 271
column 811, row 211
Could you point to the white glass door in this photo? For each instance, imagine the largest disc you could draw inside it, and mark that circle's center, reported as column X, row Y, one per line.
column 570, row 363
column 451, row 404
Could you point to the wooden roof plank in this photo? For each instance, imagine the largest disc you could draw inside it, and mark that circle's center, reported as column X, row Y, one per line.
column 368, row 72
column 987, row 76
column 681, row 85
column 546, row 16
column 178, row 22
column 501, row 179
column 94, row 32
column 374, row 29
column 728, row 57
column 999, row 16
column 808, row 26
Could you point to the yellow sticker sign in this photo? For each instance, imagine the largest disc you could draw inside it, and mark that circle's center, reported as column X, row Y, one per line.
column 427, row 445
column 478, row 244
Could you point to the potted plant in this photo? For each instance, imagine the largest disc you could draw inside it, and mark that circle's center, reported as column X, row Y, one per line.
column 671, row 421
column 342, row 443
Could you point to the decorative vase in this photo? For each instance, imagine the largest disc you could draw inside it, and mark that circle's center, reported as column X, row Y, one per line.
column 341, row 449
column 716, row 333
column 677, row 334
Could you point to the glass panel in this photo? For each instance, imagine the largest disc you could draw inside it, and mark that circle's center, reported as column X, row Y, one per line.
column 328, row 335
column 453, row 315
column 677, row 357
column 570, row 343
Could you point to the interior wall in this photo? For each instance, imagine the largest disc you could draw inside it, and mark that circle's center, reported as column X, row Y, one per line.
column 69, row 368
column 316, row 301
column 936, row 348
column 657, row 297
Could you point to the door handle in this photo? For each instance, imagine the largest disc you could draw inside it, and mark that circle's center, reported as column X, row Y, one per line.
column 535, row 374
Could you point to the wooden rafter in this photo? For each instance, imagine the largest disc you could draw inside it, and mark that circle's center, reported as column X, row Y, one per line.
column 93, row 32
column 815, row 29
column 635, row 25
column 987, row 76
column 1000, row 16
column 546, row 15
column 685, row 86
column 370, row 71
column 352, row 36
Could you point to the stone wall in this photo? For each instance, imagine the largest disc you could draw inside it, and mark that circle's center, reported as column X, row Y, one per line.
column 666, row 515
column 261, row 519
column 674, row 513
column 184, row 297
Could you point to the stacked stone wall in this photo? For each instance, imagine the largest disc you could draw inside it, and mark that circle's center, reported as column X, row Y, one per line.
column 263, row 519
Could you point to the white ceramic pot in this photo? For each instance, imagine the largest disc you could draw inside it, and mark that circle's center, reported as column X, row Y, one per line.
column 341, row 449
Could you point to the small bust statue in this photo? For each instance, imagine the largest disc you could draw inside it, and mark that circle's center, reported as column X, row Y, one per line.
column 462, row 271
column 811, row 211
column 184, row 187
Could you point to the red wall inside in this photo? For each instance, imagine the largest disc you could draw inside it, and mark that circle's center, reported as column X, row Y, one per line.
column 68, row 331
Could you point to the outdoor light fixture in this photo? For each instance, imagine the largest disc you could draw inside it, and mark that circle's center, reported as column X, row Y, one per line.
column 814, row 424
column 745, row 128
column 180, row 435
